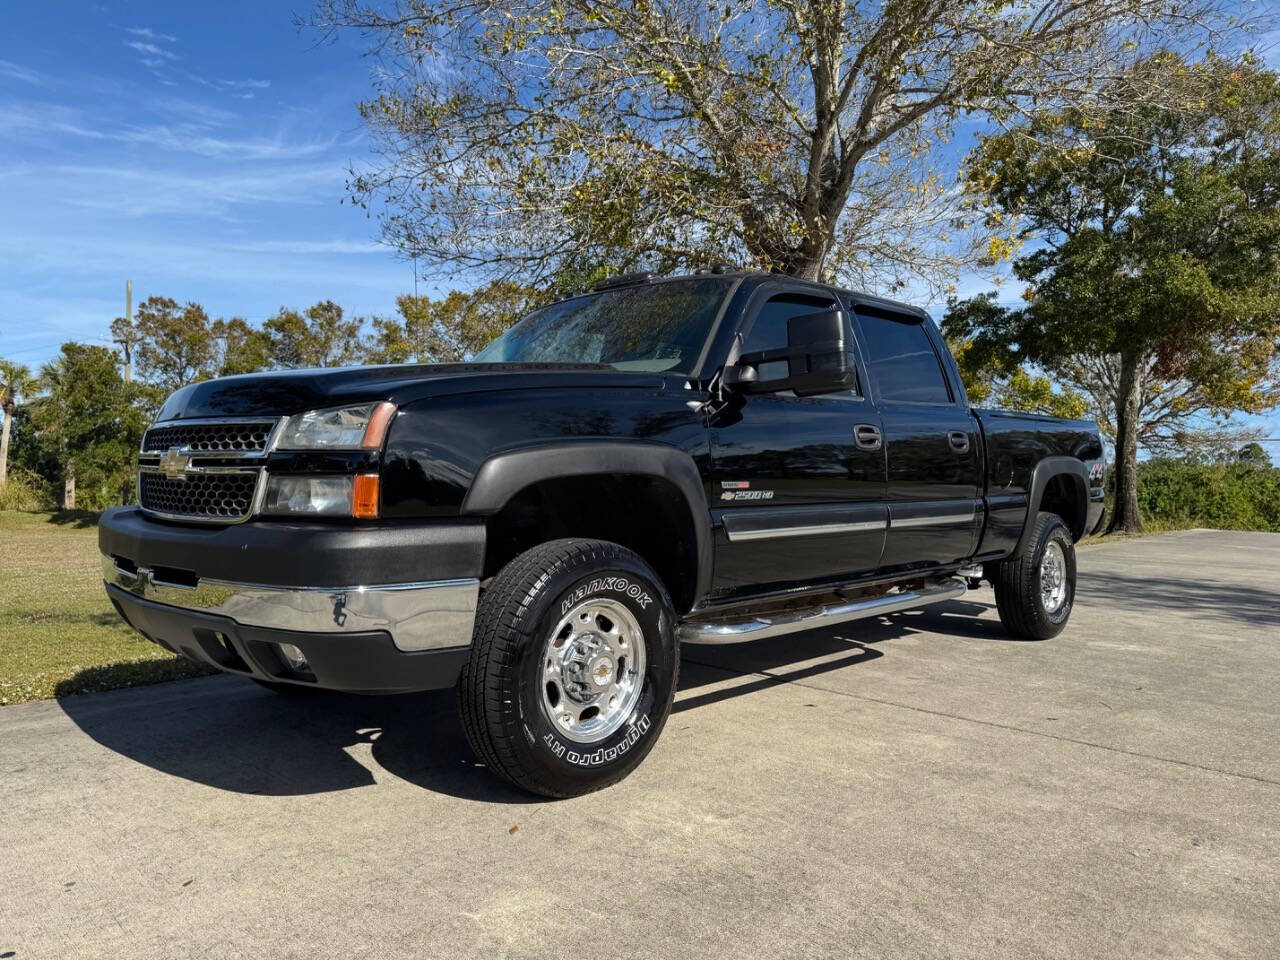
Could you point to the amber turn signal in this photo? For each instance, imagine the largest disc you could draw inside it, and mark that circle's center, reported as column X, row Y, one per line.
column 379, row 420
column 365, row 494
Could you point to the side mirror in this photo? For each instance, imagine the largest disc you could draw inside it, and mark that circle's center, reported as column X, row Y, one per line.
column 818, row 354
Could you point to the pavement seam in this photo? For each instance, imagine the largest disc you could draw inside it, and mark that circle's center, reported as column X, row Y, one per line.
column 782, row 678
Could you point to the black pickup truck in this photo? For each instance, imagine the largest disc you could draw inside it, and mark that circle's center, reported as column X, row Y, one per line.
column 711, row 458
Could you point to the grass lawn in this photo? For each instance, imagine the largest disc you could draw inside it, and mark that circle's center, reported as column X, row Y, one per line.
column 59, row 635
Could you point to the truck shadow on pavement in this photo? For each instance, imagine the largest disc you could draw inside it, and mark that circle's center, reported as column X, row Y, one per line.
column 227, row 733
column 803, row 656
column 1218, row 599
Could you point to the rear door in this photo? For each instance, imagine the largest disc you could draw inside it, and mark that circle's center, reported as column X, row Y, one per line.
column 933, row 447
column 796, row 496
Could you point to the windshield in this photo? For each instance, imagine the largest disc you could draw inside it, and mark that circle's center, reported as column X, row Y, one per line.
column 649, row 327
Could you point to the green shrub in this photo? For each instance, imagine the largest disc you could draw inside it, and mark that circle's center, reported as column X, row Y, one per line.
column 1226, row 496
column 25, row 490
column 99, row 486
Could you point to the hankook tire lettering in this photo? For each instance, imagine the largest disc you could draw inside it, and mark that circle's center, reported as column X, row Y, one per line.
column 616, row 584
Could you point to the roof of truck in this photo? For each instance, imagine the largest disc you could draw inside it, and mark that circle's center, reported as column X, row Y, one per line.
column 724, row 270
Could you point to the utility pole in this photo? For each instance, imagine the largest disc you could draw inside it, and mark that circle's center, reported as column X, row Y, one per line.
column 128, row 319
column 122, row 332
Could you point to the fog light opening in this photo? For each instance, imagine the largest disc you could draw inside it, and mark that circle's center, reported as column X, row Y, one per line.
column 294, row 658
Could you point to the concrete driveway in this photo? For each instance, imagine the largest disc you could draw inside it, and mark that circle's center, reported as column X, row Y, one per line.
column 916, row 786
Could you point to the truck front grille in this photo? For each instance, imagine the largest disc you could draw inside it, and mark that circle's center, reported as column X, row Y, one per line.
column 210, row 438
column 224, row 497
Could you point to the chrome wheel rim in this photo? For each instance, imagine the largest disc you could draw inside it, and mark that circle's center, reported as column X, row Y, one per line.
column 592, row 670
column 1053, row 577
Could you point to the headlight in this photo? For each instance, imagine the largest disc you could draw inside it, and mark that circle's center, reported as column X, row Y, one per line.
column 328, row 496
column 360, row 427
column 301, row 495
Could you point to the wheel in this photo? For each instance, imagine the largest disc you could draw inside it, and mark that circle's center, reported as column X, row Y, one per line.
column 572, row 668
column 1036, row 589
column 288, row 689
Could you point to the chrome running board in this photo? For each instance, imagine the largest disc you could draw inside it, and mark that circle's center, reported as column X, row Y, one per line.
column 828, row 614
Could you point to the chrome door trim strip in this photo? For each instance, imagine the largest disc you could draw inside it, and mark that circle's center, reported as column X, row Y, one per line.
column 938, row 520
column 816, row 529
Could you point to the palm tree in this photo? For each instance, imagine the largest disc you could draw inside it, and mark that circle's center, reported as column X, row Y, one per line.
column 15, row 382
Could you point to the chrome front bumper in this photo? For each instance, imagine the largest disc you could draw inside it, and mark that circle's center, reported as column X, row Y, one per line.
column 426, row 616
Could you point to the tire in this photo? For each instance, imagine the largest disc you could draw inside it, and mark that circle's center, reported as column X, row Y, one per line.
column 1028, row 607
column 568, row 623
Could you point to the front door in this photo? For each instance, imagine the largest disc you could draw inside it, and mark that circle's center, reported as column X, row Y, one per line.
column 932, row 442
column 798, row 483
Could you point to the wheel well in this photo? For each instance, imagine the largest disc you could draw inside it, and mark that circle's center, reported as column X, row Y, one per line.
column 1064, row 496
column 646, row 514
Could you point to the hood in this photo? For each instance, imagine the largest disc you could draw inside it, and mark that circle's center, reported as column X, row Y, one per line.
column 294, row 391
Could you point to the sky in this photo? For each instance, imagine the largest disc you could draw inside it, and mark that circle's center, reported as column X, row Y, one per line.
column 200, row 151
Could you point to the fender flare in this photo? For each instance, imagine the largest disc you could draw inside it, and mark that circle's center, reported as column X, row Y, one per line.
column 1046, row 470
column 504, row 475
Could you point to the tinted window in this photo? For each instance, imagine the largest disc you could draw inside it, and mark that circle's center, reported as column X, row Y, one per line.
column 649, row 326
column 769, row 329
column 902, row 362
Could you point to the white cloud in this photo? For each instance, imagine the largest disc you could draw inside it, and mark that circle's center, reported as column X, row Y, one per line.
column 310, row 247
column 45, row 118
column 249, row 84
column 134, row 192
column 16, row 71
column 242, row 89
column 191, row 139
column 184, row 137
column 151, row 50
column 151, row 34
column 205, row 113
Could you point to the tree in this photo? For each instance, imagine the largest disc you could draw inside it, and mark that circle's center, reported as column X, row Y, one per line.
column 1154, row 286
column 1253, row 455
column 16, row 383
column 319, row 337
column 796, row 135
column 451, row 329
column 995, row 378
column 174, row 343
column 124, row 333
column 89, row 422
column 239, row 348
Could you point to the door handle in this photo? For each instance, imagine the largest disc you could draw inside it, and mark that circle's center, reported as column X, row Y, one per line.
column 867, row 436
column 959, row 441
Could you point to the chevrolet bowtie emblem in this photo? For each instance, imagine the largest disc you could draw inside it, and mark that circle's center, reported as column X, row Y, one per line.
column 174, row 464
